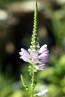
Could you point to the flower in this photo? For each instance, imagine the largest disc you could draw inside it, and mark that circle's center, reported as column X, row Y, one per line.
column 40, row 67
column 39, row 56
column 42, row 93
column 24, row 55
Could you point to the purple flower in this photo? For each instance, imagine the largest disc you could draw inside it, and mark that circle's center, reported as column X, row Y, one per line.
column 40, row 67
column 42, row 93
column 24, row 55
column 39, row 56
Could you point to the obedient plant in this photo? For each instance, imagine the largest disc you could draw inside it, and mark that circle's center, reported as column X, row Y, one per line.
column 36, row 56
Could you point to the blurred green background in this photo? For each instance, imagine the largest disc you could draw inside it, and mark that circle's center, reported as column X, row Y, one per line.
column 16, row 23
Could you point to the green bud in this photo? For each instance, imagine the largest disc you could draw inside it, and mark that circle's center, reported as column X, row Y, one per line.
column 24, row 83
column 35, row 30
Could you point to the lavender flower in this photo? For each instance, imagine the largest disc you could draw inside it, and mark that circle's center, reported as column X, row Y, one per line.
column 39, row 56
column 40, row 67
column 42, row 93
column 24, row 55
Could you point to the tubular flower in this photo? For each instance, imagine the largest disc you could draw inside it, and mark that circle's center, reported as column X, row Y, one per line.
column 42, row 93
column 24, row 55
column 40, row 67
column 39, row 56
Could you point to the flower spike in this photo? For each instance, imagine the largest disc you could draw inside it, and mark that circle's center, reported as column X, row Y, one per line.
column 34, row 43
column 37, row 57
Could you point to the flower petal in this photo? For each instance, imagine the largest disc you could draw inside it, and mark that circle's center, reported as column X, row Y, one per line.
column 25, row 55
column 43, row 58
column 34, row 56
column 42, row 93
column 40, row 67
column 43, row 49
column 33, row 53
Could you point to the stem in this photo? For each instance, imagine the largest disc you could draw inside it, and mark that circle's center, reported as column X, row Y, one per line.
column 32, row 78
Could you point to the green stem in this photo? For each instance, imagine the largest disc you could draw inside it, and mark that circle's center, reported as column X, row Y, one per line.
column 32, row 78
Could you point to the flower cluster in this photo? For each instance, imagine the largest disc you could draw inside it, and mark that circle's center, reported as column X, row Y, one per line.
column 38, row 57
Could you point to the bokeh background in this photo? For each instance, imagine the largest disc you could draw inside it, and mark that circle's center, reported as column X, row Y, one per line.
column 16, row 23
